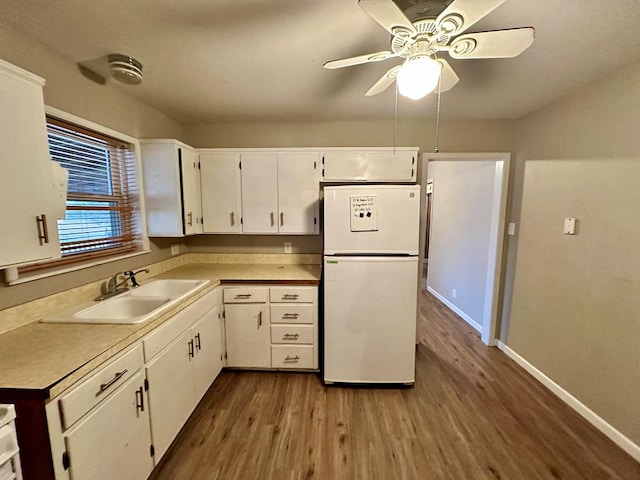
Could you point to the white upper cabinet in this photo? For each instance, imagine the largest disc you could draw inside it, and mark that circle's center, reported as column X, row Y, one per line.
column 298, row 192
column 280, row 192
column 27, row 218
column 371, row 165
column 259, row 192
column 171, row 188
column 220, row 184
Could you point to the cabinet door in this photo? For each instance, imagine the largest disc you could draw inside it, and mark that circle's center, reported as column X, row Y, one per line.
column 171, row 392
column 248, row 336
column 259, row 193
column 373, row 166
column 25, row 172
column 220, row 186
column 113, row 440
column 208, row 348
column 298, row 192
column 190, row 179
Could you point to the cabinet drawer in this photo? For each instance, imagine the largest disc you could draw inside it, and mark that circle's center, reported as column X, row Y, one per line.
column 171, row 329
column 292, row 313
column 292, row 294
column 292, row 356
column 92, row 391
column 245, row 295
column 292, row 334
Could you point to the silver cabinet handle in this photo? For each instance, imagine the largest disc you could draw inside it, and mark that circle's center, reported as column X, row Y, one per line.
column 290, row 336
column 43, row 230
column 191, row 350
column 243, row 295
column 272, row 220
column 291, row 359
column 289, row 316
column 117, row 377
column 233, row 218
column 198, row 342
column 259, row 318
column 190, row 217
column 290, row 296
column 281, row 219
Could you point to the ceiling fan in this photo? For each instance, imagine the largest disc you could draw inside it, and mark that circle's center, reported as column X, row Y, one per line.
column 419, row 41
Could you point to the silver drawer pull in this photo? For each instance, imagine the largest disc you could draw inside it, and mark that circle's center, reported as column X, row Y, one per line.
column 290, row 315
column 291, row 336
column 118, row 376
column 243, row 295
column 291, row 359
column 290, row 296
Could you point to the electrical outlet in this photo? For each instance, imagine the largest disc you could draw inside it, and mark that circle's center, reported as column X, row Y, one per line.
column 287, row 247
column 454, row 294
column 175, row 249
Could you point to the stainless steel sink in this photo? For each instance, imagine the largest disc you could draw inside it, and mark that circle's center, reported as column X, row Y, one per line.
column 135, row 306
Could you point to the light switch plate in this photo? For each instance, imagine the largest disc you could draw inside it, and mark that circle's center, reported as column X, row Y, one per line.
column 511, row 228
column 569, row 226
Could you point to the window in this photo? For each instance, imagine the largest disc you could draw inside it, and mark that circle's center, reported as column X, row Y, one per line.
column 103, row 212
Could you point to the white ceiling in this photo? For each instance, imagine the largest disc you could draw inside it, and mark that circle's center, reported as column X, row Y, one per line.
column 261, row 60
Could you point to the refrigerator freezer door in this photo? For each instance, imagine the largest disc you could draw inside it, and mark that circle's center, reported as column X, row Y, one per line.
column 370, row 311
column 375, row 219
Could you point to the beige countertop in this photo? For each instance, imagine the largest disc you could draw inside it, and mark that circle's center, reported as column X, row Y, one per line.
column 43, row 359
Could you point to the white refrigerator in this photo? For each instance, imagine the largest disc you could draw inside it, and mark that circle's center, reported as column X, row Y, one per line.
column 370, row 283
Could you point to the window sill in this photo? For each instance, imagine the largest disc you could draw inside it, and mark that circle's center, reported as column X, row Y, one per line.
column 72, row 268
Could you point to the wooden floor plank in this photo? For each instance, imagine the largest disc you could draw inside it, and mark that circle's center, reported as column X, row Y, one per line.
column 473, row 414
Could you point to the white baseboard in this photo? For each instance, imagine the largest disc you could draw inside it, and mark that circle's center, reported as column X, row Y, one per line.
column 456, row 310
column 593, row 418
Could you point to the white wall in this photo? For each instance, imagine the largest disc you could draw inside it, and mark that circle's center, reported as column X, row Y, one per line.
column 460, row 232
column 576, row 299
column 107, row 105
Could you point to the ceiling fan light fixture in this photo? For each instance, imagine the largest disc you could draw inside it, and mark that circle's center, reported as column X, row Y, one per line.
column 125, row 69
column 418, row 77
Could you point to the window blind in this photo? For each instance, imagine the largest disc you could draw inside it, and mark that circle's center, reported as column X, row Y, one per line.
column 102, row 216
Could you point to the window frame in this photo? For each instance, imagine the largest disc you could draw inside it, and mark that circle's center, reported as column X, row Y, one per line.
column 144, row 238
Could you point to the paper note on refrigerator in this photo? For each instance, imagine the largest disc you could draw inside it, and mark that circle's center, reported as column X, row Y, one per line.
column 364, row 213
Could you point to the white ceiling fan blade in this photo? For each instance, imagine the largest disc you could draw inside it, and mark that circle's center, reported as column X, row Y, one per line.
column 387, row 14
column 371, row 57
column 461, row 14
column 448, row 77
column 496, row 44
column 385, row 81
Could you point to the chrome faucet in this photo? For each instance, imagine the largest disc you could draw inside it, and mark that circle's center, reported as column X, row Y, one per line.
column 114, row 287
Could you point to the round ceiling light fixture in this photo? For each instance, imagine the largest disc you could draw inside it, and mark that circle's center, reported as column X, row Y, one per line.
column 125, row 69
column 418, row 77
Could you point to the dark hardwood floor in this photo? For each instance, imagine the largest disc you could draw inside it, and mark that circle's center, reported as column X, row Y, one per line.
column 473, row 414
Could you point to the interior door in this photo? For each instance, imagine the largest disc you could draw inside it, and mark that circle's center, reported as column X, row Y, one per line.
column 259, row 193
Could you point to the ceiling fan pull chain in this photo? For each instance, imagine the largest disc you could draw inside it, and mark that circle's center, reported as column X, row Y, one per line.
column 395, row 121
column 435, row 149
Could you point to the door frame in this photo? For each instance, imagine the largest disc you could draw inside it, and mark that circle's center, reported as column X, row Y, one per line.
column 491, row 312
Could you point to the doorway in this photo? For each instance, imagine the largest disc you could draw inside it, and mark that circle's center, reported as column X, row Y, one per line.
column 462, row 233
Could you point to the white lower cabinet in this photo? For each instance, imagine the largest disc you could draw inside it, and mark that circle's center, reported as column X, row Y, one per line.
column 183, row 358
column 113, row 440
column 120, row 420
column 247, row 333
column 100, row 428
column 271, row 327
